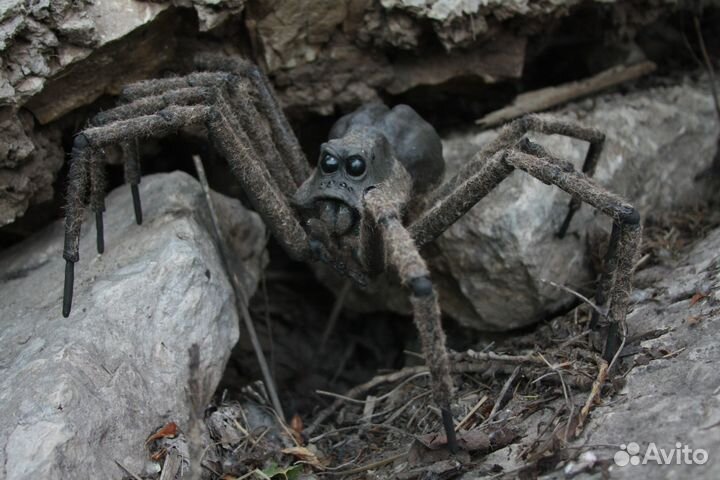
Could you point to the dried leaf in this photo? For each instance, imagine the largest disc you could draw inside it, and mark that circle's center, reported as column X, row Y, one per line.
column 304, row 455
column 296, row 423
column 159, row 455
column 170, row 430
column 471, row 441
column 296, row 429
column 696, row 298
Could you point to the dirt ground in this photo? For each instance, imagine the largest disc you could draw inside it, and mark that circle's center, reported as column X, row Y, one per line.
column 360, row 401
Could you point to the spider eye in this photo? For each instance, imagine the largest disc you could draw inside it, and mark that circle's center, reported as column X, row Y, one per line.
column 329, row 164
column 355, row 166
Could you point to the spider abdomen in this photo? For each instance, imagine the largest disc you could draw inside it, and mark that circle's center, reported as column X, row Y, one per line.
column 414, row 142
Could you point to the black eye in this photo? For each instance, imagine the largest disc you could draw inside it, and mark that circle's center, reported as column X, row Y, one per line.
column 355, row 166
column 329, row 164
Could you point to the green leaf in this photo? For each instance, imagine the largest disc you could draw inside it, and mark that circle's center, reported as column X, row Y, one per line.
column 276, row 472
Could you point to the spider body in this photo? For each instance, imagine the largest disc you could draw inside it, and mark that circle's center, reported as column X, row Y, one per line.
column 371, row 147
column 374, row 199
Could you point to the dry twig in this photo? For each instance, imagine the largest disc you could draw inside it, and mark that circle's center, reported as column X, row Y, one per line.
column 546, row 98
column 594, row 395
column 240, row 296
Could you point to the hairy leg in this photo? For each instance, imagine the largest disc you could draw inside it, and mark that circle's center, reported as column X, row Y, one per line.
column 402, row 253
column 288, row 146
column 443, row 213
column 241, row 136
column 615, row 283
column 510, row 135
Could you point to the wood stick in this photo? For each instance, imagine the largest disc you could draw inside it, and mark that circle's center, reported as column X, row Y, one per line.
column 594, row 395
column 545, row 98
column 241, row 297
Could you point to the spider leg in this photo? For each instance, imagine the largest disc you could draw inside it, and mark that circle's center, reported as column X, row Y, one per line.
column 86, row 169
column 287, row 144
column 471, row 186
column 237, row 107
column 243, row 114
column 283, row 155
column 402, row 253
column 146, row 105
column 512, row 133
column 615, row 283
column 159, row 86
column 466, row 193
column 98, row 184
column 131, row 157
column 256, row 179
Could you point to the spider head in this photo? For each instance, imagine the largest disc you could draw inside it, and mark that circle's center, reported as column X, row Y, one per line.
column 347, row 168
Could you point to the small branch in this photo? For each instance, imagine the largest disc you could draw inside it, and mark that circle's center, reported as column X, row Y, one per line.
column 601, row 311
column 126, row 470
column 594, row 395
column 566, row 393
column 465, row 362
column 496, row 357
column 546, row 98
column 369, row 466
column 471, row 413
column 240, row 296
column 359, row 390
column 500, row 401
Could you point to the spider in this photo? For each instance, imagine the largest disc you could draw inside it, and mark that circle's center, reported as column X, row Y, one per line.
column 373, row 201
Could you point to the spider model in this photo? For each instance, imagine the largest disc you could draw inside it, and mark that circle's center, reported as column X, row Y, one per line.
column 373, row 201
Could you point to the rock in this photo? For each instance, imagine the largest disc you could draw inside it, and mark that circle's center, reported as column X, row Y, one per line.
column 328, row 54
column 58, row 55
column 492, row 263
column 29, row 161
column 152, row 327
column 672, row 399
column 666, row 394
column 323, row 56
column 38, row 42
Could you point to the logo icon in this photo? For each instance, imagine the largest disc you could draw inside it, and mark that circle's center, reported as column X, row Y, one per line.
column 628, row 454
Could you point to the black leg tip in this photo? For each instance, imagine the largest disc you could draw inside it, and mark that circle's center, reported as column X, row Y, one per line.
column 137, row 206
column 99, row 228
column 80, row 142
column 421, row 286
column 68, row 288
column 447, row 421
column 630, row 216
column 612, row 343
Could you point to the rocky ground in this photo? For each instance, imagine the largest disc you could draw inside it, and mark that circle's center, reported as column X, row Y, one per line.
column 153, row 376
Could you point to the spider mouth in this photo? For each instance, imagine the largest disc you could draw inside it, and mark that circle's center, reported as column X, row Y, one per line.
column 338, row 216
column 337, row 209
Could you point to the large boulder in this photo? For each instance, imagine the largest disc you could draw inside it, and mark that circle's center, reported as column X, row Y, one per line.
column 496, row 258
column 79, row 393
column 323, row 56
column 671, row 396
column 666, row 391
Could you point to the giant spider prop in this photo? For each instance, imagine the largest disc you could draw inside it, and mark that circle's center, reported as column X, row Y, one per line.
column 372, row 203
